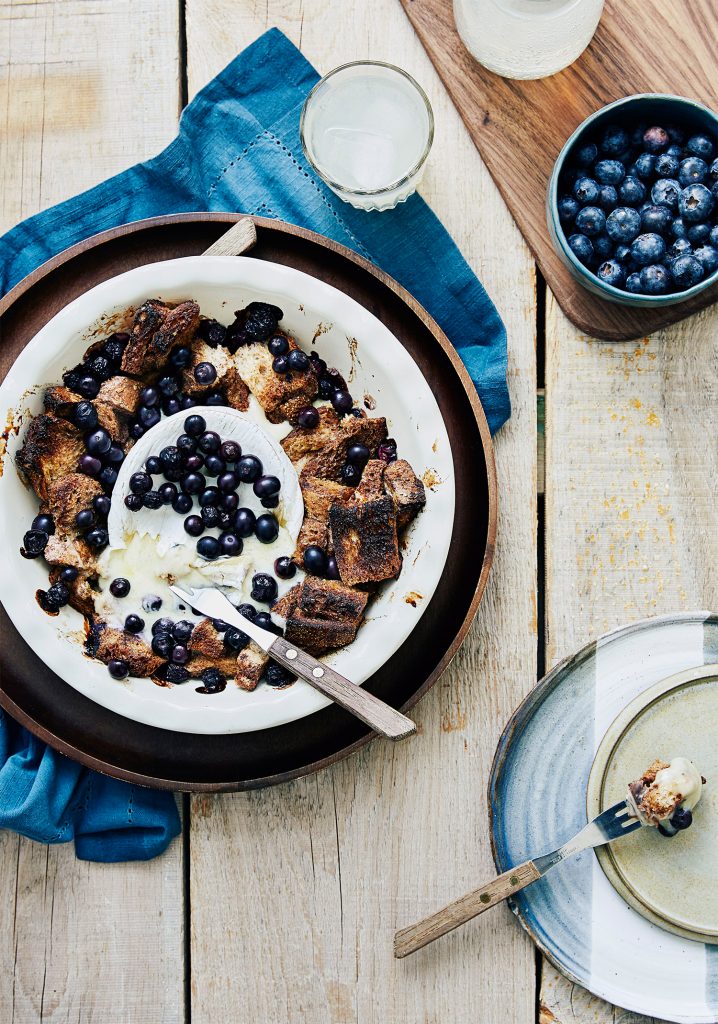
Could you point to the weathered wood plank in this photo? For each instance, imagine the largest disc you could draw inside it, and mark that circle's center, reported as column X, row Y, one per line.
column 631, row 516
column 296, row 892
column 85, row 89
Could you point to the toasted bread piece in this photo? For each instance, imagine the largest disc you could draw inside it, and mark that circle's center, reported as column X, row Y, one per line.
column 156, row 330
column 206, row 641
column 365, row 540
column 332, row 600
column 322, row 451
column 121, row 394
column 406, row 490
column 280, row 395
column 313, row 531
column 301, row 442
column 226, row 663
column 69, row 495
column 72, row 551
column 228, row 378
column 235, row 390
column 82, row 593
column 250, row 665
column 61, row 401
column 286, row 604
column 319, row 495
column 371, row 484
column 114, row 422
column 317, row 636
column 51, row 449
column 116, row 643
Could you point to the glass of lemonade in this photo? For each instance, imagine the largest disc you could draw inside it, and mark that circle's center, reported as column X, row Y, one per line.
column 366, row 129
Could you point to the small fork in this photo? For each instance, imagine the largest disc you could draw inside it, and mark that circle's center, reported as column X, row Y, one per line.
column 613, row 823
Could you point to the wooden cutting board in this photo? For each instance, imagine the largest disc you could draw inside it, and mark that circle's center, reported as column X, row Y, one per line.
column 519, row 127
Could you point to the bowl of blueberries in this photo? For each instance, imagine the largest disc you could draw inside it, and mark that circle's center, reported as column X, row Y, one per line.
column 632, row 203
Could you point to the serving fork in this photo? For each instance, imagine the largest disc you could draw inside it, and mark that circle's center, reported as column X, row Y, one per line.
column 613, row 823
column 374, row 712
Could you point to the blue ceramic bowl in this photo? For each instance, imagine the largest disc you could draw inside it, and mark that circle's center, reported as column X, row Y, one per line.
column 651, row 108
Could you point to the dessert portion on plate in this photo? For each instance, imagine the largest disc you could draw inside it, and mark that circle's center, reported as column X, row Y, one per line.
column 666, row 795
column 278, row 473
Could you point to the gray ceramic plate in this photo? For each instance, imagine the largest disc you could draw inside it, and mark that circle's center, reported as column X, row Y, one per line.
column 672, row 882
column 537, row 801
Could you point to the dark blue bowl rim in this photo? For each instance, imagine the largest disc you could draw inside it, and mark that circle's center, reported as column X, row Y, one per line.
column 621, row 294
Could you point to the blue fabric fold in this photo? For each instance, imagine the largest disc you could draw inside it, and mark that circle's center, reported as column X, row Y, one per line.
column 238, row 149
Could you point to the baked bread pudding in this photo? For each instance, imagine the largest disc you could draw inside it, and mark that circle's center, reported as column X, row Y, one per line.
column 182, row 450
column 666, row 795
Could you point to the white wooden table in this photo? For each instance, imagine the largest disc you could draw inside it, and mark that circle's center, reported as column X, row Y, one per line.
column 279, row 906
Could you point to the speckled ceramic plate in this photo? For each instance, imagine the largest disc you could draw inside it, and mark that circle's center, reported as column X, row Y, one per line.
column 537, row 795
column 672, row 882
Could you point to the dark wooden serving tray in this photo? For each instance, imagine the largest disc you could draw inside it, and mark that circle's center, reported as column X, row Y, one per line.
column 77, row 726
column 668, row 46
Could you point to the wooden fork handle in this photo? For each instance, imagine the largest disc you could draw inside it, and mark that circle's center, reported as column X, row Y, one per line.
column 408, row 940
column 240, row 237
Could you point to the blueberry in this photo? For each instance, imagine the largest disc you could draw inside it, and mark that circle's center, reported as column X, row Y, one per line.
column 264, row 588
column 681, row 247
column 314, row 560
column 44, row 524
column 278, row 345
column 692, row 171
column 85, row 416
column 182, row 631
column 69, row 574
column 655, row 280
column 351, row 475
column 277, row 675
column 326, row 388
column 682, row 818
column 115, row 346
column 633, row 284
column 264, row 621
column 602, row 250
column 34, row 543
column 713, row 171
column 701, row 145
column 179, row 655
column 213, row 465
column 186, row 445
column 163, row 625
column 97, row 538
column 229, row 502
column 656, row 139
column 115, row 455
column 230, row 543
column 215, row 398
column 698, row 234
column 84, row 519
column 713, row 237
column 622, row 253
column 136, row 431
column 707, row 256
column 609, row 172
column 152, row 500
column 140, row 483
column 665, row 192
column 647, row 249
column 133, row 502
column 586, row 191
column 209, row 548
column 235, row 639
column 187, row 402
column 170, row 457
column 89, row 465
column 230, row 451
column 168, row 386
column 108, row 477
column 667, row 166
column 695, row 203
column 272, row 501
column 586, row 154
column 285, row 568
column 181, row 357
column 249, row 468
column 631, row 191
column 623, row 224
column 99, row 442
column 149, row 396
column 209, row 496
column 167, row 493
column 280, row 365
column 213, row 681
column 358, row 454
column 193, row 483
column 153, row 465
column 118, row 668
column 170, row 406
column 266, row 528
column 679, row 228
column 611, row 272
column 134, row 624
column 614, row 140
column 162, row 645
column 643, row 166
column 195, row 425
column 308, row 417
column 386, row 451
column 266, row 486
column 120, row 587
column 88, row 387
column 148, row 417
column 209, row 441
column 298, row 361
column 174, row 673
column 343, row 402
column 244, row 522
column 228, row 483
column 655, row 219
column 212, row 332
column 210, row 516
column 686, row 271
column 332, row 572
column 567, row 209
column 591, row 221
column 205, row 374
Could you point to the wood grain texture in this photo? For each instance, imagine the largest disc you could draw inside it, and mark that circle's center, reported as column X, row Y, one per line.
column 79, row 941
column 631, row 516
column 669, row 46
column 296, row 891
column 458, row 912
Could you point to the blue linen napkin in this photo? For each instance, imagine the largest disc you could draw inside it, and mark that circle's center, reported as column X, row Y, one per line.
column 238, row 149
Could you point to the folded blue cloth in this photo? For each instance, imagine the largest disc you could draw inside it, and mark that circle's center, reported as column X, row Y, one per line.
column 238, row 149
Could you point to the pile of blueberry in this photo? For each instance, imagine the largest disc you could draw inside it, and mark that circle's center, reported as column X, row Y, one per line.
column 200, row 453
column 99, row 364
column 638, row 207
